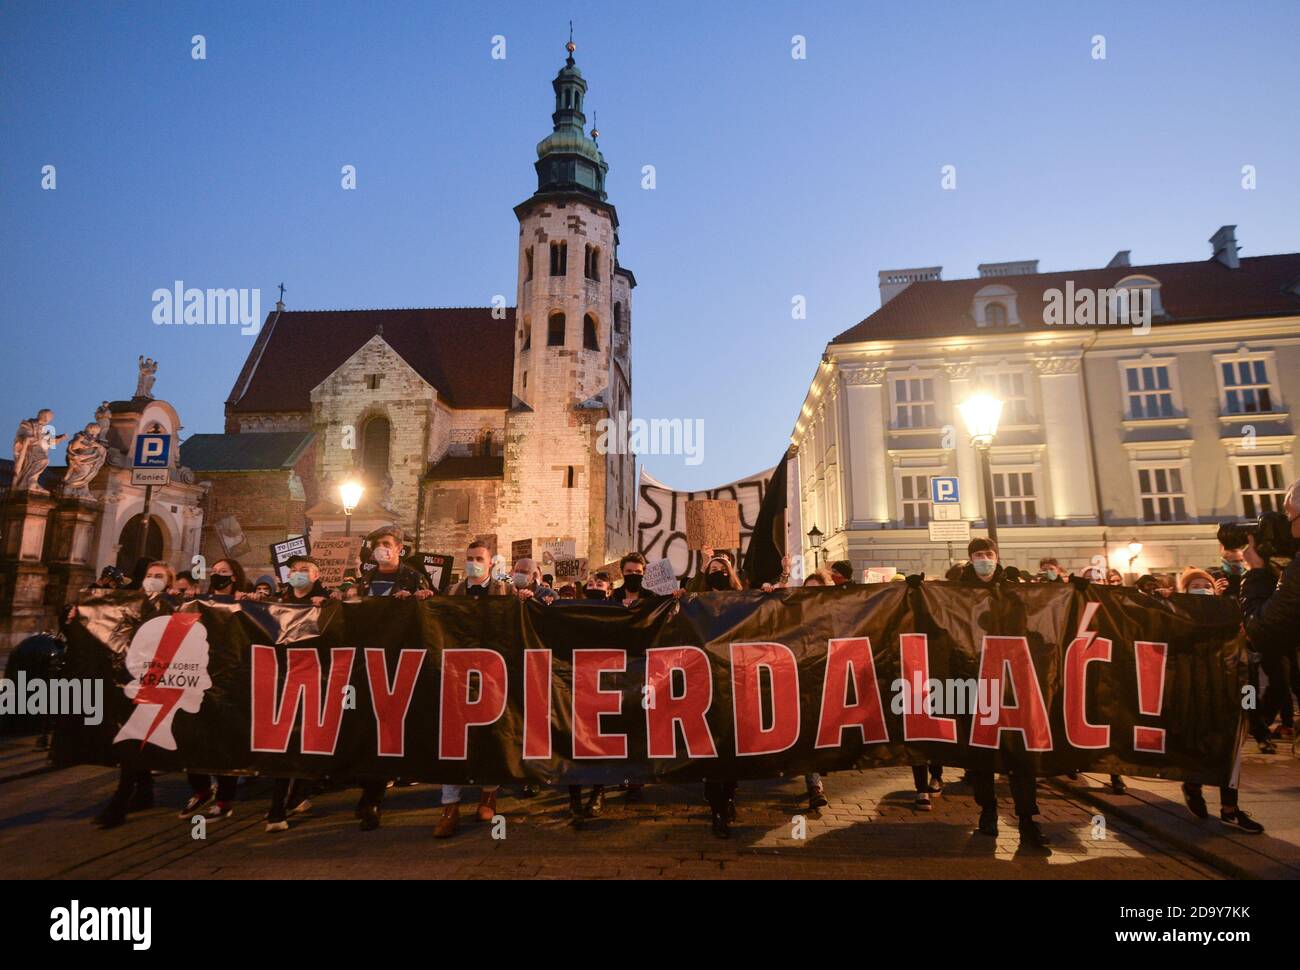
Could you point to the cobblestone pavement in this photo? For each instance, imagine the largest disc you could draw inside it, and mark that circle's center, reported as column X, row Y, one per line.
column 869, row 830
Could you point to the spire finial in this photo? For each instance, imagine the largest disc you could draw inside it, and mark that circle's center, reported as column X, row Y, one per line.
column 280, row 303
column 595, row 133
column 570, row 46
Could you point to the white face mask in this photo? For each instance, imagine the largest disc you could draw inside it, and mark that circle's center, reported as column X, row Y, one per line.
column 1200, row 591
column 520, row 580
column 382, row 555
column 152, row 584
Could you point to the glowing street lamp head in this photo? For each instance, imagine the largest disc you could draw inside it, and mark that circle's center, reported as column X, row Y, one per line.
column 1134, row 549
column 350, row 493
column 981, row 413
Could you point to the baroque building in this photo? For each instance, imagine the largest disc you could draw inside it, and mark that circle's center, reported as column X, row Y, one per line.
column 1109, row 434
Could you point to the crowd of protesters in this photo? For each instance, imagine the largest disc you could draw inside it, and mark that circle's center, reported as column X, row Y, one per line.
column 1270, row 607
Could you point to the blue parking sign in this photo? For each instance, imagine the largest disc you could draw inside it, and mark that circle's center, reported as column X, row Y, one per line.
column 152, row 450
column 943, row 491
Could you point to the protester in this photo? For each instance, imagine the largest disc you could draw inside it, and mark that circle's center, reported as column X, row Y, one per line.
column 304, row 586
column 390, row 576
column 227, row 581
column 842, row 572
column 528, row 583
column 1049, row 571
column 264, row 587
column 478, row 581
column 984, row 569
column 186, row 587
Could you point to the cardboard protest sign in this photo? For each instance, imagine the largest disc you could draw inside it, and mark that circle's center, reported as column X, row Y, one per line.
column 878, row 574
column 437, row 567
column 521, row 549
column 282, row 552
column 556, row 549
column 713, row 524
column 570, row 571
column 337, row 556
column 660, row 577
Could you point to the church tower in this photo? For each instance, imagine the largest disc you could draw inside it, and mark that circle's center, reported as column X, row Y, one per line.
column 572, row 364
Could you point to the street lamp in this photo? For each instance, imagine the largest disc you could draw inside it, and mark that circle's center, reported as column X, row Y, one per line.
column 1134, row 550
column 815, row 540
column 981, row 414
column 350, row 492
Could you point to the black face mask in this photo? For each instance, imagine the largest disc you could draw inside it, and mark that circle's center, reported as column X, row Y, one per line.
column 595, row 594
column 632, row 582
column 718, row 580
column 219, row 581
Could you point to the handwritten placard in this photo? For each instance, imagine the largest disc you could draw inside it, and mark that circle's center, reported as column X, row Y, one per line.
column 337, row 556
column 660, row 578
column 713, row 524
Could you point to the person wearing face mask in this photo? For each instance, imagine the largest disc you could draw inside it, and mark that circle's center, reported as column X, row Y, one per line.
column 390, row 576
column 597, row 587
column 1049, row 571
column 527, row 581
column 227, row 581
column 1197, row 582
column 984, row 570
column 304, row 586
column 135, row 785
column 478, row 581
column 631, row 595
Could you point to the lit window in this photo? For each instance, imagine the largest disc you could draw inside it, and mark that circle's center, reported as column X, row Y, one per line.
column 1161, row 493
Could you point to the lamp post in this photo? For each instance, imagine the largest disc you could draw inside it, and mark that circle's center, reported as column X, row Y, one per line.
column 981, row 414
column 815, row 540
column 350, row 492
column 1134, row 550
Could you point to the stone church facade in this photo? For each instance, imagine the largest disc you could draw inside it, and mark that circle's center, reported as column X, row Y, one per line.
column 468, row 422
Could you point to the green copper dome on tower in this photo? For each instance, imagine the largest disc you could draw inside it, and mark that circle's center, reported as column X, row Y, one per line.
column 568, row 160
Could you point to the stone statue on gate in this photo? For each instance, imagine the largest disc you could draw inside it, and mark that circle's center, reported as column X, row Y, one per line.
column 144, row 386
column 87, row 453
column 32, row 444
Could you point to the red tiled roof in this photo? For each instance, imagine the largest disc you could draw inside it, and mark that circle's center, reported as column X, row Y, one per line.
column 1189, row 292
column 466, row 354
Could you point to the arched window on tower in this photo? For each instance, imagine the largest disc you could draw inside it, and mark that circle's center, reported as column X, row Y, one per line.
column 528, row 258
column 618, row 317
column 559, row 258
column 589, row 341
column 374, row 449
column 555, row 330
column 591, row 263
column 528, row 334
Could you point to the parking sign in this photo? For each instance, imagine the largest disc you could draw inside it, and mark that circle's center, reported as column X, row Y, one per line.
column 943, row 491
column 152, row 450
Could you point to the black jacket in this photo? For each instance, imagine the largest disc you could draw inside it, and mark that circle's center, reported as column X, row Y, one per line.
column 316, row 590
column 376, row 583
column 644, row 596
column 1271, row 608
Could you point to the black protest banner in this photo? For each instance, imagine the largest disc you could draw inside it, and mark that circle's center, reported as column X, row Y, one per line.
column 1050, row 678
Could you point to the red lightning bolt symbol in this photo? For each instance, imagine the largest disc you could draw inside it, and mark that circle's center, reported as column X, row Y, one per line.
column 178, row 625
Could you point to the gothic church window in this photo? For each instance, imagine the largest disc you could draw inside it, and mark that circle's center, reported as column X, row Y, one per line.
column 589, row 341
column 559, row 258
column 555, row 330
column 374, row 449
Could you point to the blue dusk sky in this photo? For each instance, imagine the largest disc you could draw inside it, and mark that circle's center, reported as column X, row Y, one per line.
column 775, row 177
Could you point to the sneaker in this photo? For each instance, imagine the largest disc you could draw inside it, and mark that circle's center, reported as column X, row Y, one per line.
column 922, row 803
column 196, row 802
column 936, row 786
column 302, row 808
column 1117, row 785
column 369, row 815
column 817, row 798
column 1032, row 835
column 280, row 826
column 1195, row 803
column 1267, row 747
column 988, row 823
column 1239, row 819
column 220, row 810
